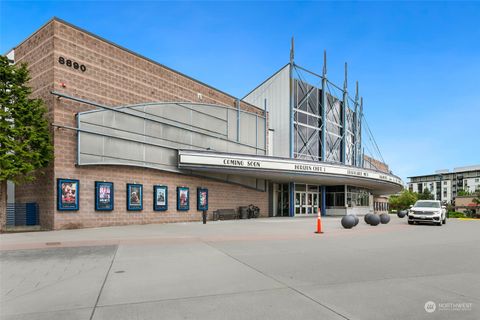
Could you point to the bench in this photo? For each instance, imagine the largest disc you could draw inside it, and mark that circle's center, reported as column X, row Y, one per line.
column 224, row 214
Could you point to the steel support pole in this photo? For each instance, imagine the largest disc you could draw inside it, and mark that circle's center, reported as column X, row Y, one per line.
column 237, row 102
column 324, row 106
column 265, row 129
column 256, row 134
column 292, row 83
column 324, row 201
column 355, row 124
column 344, row 117
column 360, row 133
column 291, row 192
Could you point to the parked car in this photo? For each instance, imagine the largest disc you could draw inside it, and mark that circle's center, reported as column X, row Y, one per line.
column 427, row 211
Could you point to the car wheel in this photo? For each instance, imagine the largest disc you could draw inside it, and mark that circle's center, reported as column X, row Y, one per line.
column 444, row 220
column 439, row 224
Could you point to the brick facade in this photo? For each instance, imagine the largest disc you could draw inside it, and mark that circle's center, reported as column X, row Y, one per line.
column 114, row 76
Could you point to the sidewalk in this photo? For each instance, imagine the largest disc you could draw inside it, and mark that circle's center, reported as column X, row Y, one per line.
column 275, row 268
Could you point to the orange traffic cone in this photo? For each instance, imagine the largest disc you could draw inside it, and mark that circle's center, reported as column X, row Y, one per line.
column 319, row 223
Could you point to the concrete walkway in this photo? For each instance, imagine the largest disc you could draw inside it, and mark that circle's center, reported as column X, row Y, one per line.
column 273, row 268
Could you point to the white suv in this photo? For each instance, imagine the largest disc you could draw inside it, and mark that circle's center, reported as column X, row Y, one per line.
column 427, row 211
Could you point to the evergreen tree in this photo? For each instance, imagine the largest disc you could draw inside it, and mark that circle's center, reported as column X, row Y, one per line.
column 25, row 142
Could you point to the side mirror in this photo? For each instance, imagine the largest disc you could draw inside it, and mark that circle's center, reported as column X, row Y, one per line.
column 411, row 206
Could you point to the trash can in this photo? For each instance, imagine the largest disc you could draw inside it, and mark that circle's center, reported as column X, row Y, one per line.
column 243, row 212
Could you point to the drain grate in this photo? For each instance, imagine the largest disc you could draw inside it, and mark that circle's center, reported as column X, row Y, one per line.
column 53, row 243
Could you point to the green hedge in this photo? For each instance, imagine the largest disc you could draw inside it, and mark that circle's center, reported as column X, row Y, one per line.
column 456, row 214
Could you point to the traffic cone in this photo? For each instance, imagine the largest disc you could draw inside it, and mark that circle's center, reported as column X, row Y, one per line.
column 319, row 223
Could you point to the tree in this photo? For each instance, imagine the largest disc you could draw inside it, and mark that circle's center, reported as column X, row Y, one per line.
column 402, row 201
column 25, row 142
column 476, row 200
column 425, row 195
column 462, row 192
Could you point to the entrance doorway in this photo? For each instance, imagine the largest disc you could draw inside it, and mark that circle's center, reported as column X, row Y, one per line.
column 282, row 205
column 306, row 200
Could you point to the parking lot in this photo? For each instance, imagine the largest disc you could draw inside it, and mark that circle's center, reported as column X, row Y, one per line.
column 275, row 268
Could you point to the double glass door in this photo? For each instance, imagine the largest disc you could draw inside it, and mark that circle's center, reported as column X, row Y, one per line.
column 306, row 203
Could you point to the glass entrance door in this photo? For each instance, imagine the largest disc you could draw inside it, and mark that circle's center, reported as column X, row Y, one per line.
column 306, row 203
column 300, row 203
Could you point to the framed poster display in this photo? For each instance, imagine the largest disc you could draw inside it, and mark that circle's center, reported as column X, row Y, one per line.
column 134, row 197
column 103, row 196
column 160, row 198
column 202, row 199
column 183, row 199
column 68, row 194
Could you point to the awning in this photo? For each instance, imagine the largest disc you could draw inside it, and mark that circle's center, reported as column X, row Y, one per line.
column 289, row 170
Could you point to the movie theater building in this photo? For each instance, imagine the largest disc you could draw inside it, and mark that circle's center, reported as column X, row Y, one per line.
column 137, row 142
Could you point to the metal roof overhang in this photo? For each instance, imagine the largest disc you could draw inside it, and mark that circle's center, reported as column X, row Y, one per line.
column 284, row 170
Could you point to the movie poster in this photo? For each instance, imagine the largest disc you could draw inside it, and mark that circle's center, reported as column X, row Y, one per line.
column 183, row 199
column 160, row 198
column 202, row 199
column 103, row 196
column 67, row 190
column 134, row 197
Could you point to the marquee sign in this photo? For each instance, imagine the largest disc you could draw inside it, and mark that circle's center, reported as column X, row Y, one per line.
column 262, row 163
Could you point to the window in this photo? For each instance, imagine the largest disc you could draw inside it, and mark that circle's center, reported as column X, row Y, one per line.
column 444, row 183
column 427, row 204
column 340, row 199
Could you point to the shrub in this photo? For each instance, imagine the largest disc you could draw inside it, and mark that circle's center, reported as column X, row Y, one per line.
column 456, row 214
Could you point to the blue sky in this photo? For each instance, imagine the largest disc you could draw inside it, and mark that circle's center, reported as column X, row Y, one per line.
column 418, row 63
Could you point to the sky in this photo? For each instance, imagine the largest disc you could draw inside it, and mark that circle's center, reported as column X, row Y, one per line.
column 417, row 63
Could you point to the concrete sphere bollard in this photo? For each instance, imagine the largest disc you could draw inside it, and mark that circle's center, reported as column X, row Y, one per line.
column 374, row 220
column 384, row 218
column 401, row 213
column 348, row 221
column 366, row 217
column 356, row 220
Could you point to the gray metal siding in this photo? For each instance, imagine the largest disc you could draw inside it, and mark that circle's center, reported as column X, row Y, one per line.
column 150, row 134
column 277, row 92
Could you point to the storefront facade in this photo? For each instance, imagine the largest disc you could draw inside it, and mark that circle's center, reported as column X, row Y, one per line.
column 136, row 142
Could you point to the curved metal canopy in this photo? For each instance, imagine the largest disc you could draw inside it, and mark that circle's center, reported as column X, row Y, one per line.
column 288, row 170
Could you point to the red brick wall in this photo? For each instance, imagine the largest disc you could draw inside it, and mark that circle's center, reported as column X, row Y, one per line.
column 113, row 77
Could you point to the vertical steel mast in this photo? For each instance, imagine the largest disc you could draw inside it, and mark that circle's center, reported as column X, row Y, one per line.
column 324, row 128
column 291, row 185
column 344, row 117
column 292, row 83
column 360, row 133
column 355, row 129
column 324, row 106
